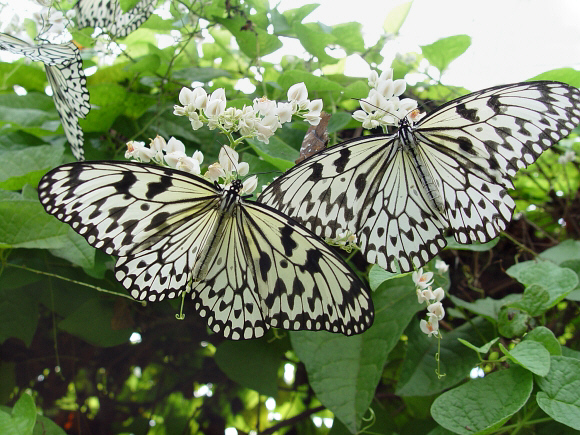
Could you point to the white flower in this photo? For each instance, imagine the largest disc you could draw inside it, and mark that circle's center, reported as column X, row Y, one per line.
column 186, row 96
column 298, row 93
column 228, row 159
column 198, row 155
column 567, row 157
column 438, row 294
column 284, row 112
column 139, row 151
column 187, row 164
column 215, row 171
column 175, row 145
column 422, row 280
column 399, row 87
column 158, row 144
column 431, row 327
column 441, row 266
column 199, row 98
column 386, row 88
column 172, row 159
column 425, row 295
column 218, row 94
column 243, row 169
column 264, row 107
column 214, row 108
column 249, row 185
column 386, row 74
column 437, row 310
column 373, row 78
column 179, row 111
column 196, row 124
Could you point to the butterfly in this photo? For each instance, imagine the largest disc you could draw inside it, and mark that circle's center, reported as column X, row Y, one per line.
column 63, row 66
column 108, row 15
column 400, row 193
column 247, row 266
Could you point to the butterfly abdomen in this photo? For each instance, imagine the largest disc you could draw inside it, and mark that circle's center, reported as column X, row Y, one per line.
column 409, row 145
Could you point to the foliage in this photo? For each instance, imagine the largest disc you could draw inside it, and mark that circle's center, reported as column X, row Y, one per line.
column 77, row 347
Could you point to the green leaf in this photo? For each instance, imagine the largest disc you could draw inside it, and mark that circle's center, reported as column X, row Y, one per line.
column 313, row 83
column 566, row 75
column 483, row 405
column 315, row 40
column 22, row 419
column 543, row 335
column 533, row 301
column 127, row 5
column 253, row 42
column 76, row 250
column 203, row 75
column 25, row 224
column 481, row 349
column 396, row 17
column 557, row 281
column 276, row 152
column 344, row 371
column 378, row 275
column 338, row 121
column 560, row 395
column 574, row 266
column 488, row 307
column 418, row 377
column 567, row 250
column 45, row 426
column 18, row 314
column 147, row 63
column 33, row 110
column 349, row 36
column 237, row 359
column 7, row 380
column 92, row 322
column 297, row 15
column 531, row 355
column 443, row 51
column 476, row 247
column 30, row 77
column 512, row 322
column 28, row 165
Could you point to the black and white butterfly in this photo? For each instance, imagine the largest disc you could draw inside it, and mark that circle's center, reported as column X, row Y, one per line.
column 400, row 193
column 64, row 69
column 247, row 266
column 107, row 14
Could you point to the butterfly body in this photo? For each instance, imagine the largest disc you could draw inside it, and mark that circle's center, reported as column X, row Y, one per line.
column 247, row 266
column 400, row 193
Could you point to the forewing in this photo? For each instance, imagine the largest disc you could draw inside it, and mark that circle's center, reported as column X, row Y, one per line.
column 71, row 98
column 270, row 271
column 108, row 15
column 497, row 131
column 49, row 54
column 156, row 220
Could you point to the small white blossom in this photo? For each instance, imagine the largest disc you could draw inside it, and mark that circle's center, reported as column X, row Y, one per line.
column 228, row 159
column 215, row 171
column 138, row 150
column 264, row 107
column 441, row 266
column 438, row 294
column 567, row 157
column 425, row 295
column 373, row 78
column 175, row 145
column 243, row 169
column 196, row 124
column 437, row 310
column 249, row 185
column 422, row 280
column 198, row 155
column 187, row 164
column 284, row 112
column 430, row 327
column 158, row 144
column 298, row 93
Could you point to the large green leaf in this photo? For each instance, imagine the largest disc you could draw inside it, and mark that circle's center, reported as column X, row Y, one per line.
column 483, row 405
column 396, row 17
column 28, row 165
column 253, row 42
column 22, row 419
column 443, row 51
column 18, row 313
column 25, row 224
column 344, row 371
column 315, row 41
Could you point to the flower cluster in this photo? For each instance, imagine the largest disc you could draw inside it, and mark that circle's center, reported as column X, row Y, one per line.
column 261, row 120
column 344, row 240
column 383, row 107
column 432, row 298
column 172, row 154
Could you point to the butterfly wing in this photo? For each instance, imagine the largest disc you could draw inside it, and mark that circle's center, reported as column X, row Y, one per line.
column 64, row 70
column 474, row 144
column 108, row 15
column 368, row 186
column 71, row 98
column 270, row 271
column 470, row 148
column 156, row 220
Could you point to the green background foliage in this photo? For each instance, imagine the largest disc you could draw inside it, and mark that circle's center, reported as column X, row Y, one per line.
column 66, row 323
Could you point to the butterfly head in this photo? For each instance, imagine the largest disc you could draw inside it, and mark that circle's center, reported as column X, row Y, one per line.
column 236, row 186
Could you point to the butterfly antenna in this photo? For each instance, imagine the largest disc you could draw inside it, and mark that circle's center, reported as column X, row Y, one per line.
column 231, row 160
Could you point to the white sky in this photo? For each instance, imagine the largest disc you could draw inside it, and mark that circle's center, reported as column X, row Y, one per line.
column 512, row 40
